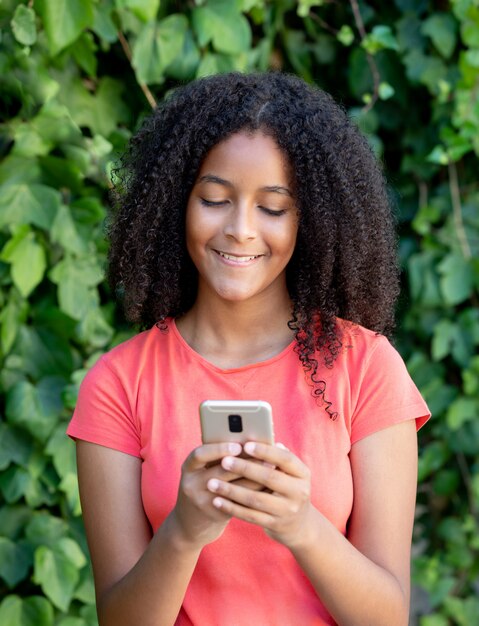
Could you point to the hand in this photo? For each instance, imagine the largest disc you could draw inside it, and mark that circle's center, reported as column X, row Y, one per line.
column 194, row 515
column 283, row 508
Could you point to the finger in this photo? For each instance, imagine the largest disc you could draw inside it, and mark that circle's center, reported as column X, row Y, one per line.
column 265, row 475
column 207, row 453
column 265, row 520
column 257, row 500
column 278, row 456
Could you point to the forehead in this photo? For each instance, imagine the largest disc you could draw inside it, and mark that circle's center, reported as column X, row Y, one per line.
column 247, row 154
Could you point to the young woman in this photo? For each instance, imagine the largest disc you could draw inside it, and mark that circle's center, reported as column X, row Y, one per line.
column 254, row 240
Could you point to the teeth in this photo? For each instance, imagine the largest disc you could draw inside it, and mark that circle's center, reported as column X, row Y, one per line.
column 238, row 259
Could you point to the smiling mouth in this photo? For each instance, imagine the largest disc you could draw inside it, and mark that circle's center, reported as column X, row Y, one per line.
column 237, row 259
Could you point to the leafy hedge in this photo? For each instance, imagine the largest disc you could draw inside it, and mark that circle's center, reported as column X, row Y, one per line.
column 76, row 78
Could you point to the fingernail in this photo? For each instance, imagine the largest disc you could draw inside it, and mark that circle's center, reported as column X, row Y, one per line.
column 227, row 462
column 217, row 503
column 234, row 448
column 282, row 446
column 213, row 484
column 250, row 447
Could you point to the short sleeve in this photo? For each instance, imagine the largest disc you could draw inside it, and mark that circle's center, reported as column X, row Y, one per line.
column 103, row 412
column 387, row 395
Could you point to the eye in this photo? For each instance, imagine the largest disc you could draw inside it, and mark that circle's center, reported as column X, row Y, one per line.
column 211, row 202
column 272, row 212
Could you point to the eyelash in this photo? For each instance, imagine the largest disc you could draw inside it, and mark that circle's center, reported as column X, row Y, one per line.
column 263, row 208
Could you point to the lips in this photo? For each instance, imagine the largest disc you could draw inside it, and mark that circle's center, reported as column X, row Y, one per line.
column 236, row 258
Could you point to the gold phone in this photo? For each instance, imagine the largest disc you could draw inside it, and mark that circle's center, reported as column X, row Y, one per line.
column 236, row 420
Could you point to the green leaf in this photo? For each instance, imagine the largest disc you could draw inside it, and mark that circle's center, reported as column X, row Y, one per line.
column 56, row 570
column 14, row 483
column 27, row 259
column 13, row 315
column 15, row 445
column 15, row 562
column 146, row 10
column 221, row 23
column 345, row 35
column 380, row 38
column 35, row 408
column 13, row 519
column 32, row 611
column 185, row 64
column 65, row 21
column 386, row 91
column 441, row 28
column 74, row 278
column 65, row 233
column 457, row 278
column 83, row 51
column 461, row 411
column 45, row 529
column 23, row 25
column 28, row 204
column 60, row 448
column 94, row 330
column 103, row 24
column 158, row 45
column 103, row 111
column 42, row 352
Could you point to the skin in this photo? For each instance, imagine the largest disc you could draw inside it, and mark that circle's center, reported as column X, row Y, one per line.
column 140, row 578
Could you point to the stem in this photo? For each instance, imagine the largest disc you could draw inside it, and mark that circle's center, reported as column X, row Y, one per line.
column 322, row 23
column 371, row 62
column 466, row 476
column 127, row 50
column 457, row 211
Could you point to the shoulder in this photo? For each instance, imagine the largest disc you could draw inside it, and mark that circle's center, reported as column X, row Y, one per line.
column 136, row 352
column 361, row 345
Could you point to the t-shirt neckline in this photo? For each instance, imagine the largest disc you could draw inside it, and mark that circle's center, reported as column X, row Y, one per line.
column 244, row 368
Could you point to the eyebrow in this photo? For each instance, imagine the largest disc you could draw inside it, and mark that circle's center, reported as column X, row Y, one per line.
column 211, row 178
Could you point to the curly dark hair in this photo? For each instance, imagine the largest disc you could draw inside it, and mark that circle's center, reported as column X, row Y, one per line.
column 344, row 264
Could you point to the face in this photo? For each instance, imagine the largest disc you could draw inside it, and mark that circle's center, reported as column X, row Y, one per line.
column 241, row 219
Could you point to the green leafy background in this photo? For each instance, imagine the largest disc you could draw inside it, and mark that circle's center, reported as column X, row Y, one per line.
column 76, row 79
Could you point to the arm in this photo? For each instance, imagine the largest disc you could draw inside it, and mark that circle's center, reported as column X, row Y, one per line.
column 362, row 579
column 140, row 578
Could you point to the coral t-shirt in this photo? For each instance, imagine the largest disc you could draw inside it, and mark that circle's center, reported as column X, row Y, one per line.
column 142, row 398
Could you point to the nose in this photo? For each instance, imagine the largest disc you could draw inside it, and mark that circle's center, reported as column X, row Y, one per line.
column 241, row 223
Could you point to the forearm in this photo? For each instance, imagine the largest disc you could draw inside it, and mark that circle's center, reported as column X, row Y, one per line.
column 153, row 590
column 354, row 589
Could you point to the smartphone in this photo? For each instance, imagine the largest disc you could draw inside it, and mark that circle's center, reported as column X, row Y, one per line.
column 236, row 420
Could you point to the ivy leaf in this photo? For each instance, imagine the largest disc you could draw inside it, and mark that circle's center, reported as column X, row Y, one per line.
column 15, row 561
column 23, row 25
column 14, row 483
column 15, row 445
column 28, row 204
column 27, row 259
column 65, row 233
column 32, row 611
column 62, row 451
column 158, row 45
column 35, row 408
column 441, row 28
column 74, row 278
column 45, row 529
column 457, row 278
column 461, row 411
column 221, row 23
column 380, row 38
column 100, row 112
column 56, row 570
column 146, row 10
column 65, row 21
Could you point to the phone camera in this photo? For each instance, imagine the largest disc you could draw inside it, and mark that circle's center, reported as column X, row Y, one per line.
column 235, row 423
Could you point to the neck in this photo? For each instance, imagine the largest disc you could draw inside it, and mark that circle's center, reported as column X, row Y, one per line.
column 232, row 334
